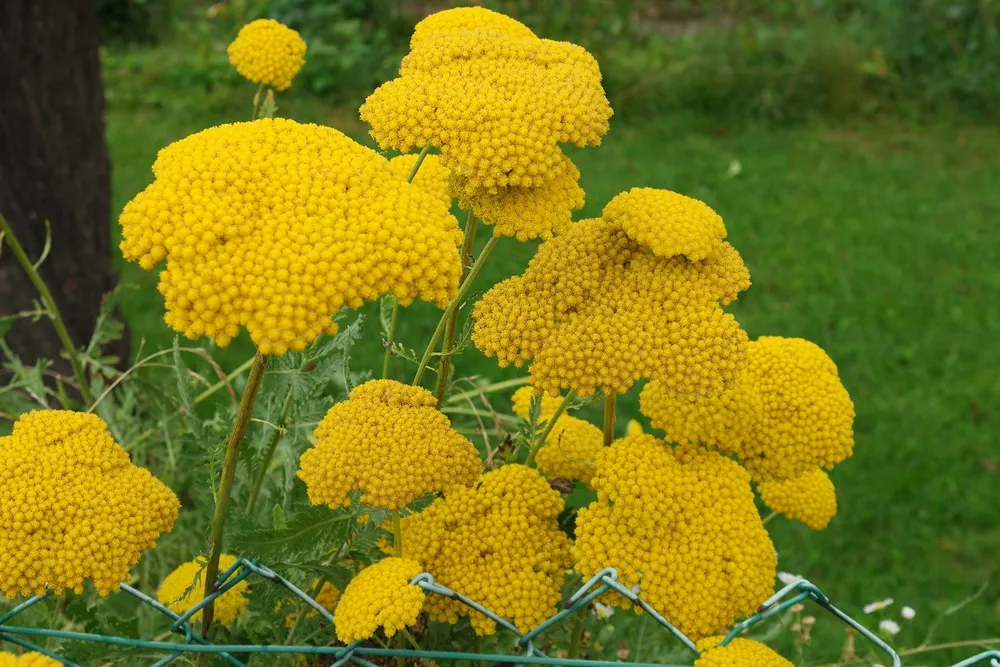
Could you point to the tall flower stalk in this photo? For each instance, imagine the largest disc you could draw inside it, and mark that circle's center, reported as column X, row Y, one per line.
column 448, row 347
column 609, row 418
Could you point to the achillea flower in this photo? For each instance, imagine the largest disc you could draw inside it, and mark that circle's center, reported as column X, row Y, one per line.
column 390, row 441
column 498, row 543
column 908, row 613
column 572, row 445
column 634, row 427
column 738, row 653
column 380, row 596
column 432, row 177
column 809, row 498
column 27, row 660
column 73, row 507
column 682, row 524
column 521, row 402
column 274, row 225
column 268, row 52
column 668, row 223
column 597, row 310
column 787, row 415
column 185, row 587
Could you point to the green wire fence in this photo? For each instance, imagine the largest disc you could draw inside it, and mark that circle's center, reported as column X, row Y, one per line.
column 355, row 653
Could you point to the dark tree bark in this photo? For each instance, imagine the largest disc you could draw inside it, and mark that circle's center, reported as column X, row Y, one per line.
column 54, row 165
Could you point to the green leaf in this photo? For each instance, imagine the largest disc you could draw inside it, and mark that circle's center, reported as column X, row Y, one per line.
column 278, row 515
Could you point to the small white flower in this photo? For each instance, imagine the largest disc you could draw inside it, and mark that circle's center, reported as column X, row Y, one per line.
column 888, row 626
column 908, row 612
column 635, row 588
column 878, row 605
column 603, row 611
column 788, row 578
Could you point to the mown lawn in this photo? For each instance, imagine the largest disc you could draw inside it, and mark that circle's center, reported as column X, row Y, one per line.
column 878, row 242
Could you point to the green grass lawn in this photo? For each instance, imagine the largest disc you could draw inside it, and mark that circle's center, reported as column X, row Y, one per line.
column 877, row 242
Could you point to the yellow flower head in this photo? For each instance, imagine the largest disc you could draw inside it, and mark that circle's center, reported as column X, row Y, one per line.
column 497, row 100
column 809, row 498
column 274, row 225
column 380, row 596
column 268, row 52
column 682, row 524
column 185, row 587
column 27, row 660
column 390, row 441
column 73, row 507
column 572, row 445
column 597, row 310
column 432, row 177
column 498, row 543
column 634, row 427
column 738, row 653
column 787, row 415
column 668, row 223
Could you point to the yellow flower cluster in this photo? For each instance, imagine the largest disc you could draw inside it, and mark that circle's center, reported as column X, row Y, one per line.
column 597, row 310
column 497, row 543
column 27, row 660
column 739, row 653
column 390, row 441
column 633, row 427
column 809, row 498
column 572, row 445
column 667, row 222
column 274, row 225
column 73, row 507
column 268, row 52
column 185, row 587
column 788, row 414
column 521, row 402
column 682, row 524
column 432, row 177
column 380, row 596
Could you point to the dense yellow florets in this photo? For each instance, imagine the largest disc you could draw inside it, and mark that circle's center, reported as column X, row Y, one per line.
column 571, row 449
column 380, row 596
column 274, row 225
column 268, row 52
column 498, row 543
column 495, row 98
column 597, row 311
column 809, row 498
column 633, row 427
column 739, row 653
column 682, row 524
column 73, row 507
column 521, row 403
column 788, row 414
column 27, row 660
column 667, row 222
column 390, row 441
column 185, row 587
column 432, row 176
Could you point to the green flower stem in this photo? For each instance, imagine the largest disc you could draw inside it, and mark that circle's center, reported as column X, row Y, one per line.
column 397, row 535
column 448, row 346
column 768, row 518
column 243, row 415
column 609, row 418
column 258, row 101
column 6, row 232
column 576, row 634
column 549, row 425
column 271, row 447
column 453, row 307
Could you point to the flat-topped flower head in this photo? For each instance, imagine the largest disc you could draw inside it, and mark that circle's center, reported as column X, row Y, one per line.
column 498, row 543
column 267, row 52
column 571, row 447
column 274, row 225
column 598, row 310
column 668, row 223
column 681, row 523
column 432, row 177
column 787, row 415
column 497, row 100
column 73, row 507
column 810, row 498
column 738, row 653
column 183, row 588
column 32, row 659
column 389, row 441
column 381, row 596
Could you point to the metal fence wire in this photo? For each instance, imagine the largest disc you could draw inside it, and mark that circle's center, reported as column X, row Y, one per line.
column 357, row 652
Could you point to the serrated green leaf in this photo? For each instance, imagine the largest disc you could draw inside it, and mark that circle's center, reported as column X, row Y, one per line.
column 278, row 517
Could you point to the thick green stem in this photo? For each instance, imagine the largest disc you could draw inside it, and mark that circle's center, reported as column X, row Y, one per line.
column 243, row 415
column 609, row 418
column 397, row 535
column 271, row 447
column 549, row 425
column 576, row 634
column 6, row 232
column 453, row 307
column 448, row 346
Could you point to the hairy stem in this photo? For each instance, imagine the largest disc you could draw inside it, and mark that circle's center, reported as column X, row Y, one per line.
column 549, row 425
column 448, row 346
column 576, row 634
column 271, row 447
column 609, row 418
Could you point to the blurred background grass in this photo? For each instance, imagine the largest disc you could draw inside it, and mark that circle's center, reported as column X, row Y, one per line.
column 851, row 149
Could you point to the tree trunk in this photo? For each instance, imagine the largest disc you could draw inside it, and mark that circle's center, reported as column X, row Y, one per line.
column 53, row 165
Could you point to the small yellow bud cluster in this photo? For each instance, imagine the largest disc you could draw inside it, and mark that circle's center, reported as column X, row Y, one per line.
column 810, row 498
column 268, row 52
column 682, row 524
column 571, row 446
column 27, row 660
column 667, row 222
column 432, row 177
column 73, row 507
column 633, row 427
column 786, row 415
column 497, row 543
column 185, row 587
column 274, row 225
column 738, row 653
column 598, row 310
column 390, row 441
column 380, row 596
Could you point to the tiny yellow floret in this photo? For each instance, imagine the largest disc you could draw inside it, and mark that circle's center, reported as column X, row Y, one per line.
column 73, row 507
column 185, row 587
column 739, row 653
column 32, row 659
column 380, row 596
column 432, row 177
column 810, row 498
column 265, row 51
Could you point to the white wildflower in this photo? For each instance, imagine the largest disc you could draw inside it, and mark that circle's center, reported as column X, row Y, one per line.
column 888, row 626
column 878, row 605
column 603, row 611
column 908, row 612
column 788, row 578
